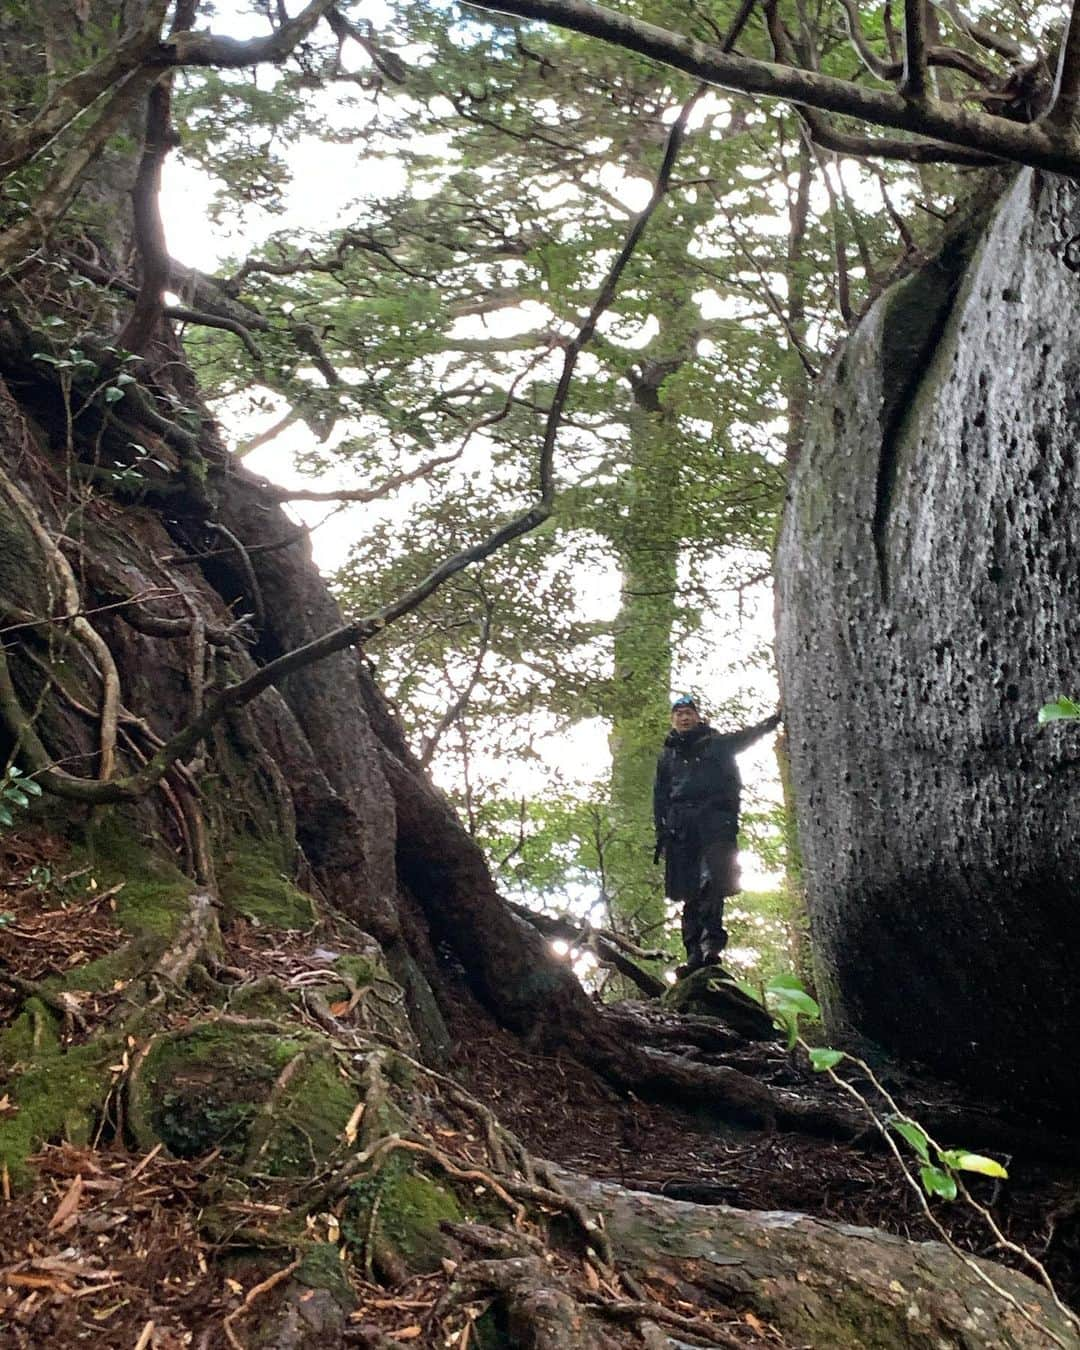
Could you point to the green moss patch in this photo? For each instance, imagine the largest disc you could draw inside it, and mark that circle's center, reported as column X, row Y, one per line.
column 56, row 1096
column 323, row 1268
column 218, row 1087
column 202, row 1090
column 309, row 1121
column 253, row 887
column 411, row 1206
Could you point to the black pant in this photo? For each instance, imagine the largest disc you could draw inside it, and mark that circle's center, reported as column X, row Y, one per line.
column 701, row 870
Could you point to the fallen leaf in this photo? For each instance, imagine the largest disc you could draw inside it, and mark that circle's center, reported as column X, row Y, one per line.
column 69, row 1205
column 234, row 1285
column 340, row 1007
column 144, row 1336
column 27, row 1280
column 7, row 1106
column 407, row 1333
column 591, row 1277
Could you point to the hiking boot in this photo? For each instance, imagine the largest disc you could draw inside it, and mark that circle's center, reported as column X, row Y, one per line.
column 712, row 945
column 693, row 962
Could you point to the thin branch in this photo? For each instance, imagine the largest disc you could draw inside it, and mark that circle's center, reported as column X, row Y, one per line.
column 985, row 37
column 458, row 706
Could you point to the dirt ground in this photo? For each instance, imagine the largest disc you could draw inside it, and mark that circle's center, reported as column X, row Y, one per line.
column 109, row 1248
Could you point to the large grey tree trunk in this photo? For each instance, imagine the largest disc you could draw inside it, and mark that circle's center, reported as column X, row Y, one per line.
column 928, row 600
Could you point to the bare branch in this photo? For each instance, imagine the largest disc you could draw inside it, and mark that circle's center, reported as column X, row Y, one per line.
column 914, row 84
column 210, row 49
column 824, row 133
column 265, row 437
column 965, row 128
column 892, row 70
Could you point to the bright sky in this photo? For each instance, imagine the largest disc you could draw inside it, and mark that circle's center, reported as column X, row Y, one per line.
column 325, row 178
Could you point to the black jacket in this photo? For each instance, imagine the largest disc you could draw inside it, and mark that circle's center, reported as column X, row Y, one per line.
column 699, row 766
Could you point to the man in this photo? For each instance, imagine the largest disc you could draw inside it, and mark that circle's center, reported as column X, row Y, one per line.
column 696, row 811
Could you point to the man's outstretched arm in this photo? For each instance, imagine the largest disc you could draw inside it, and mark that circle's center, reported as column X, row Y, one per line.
column 742, row 740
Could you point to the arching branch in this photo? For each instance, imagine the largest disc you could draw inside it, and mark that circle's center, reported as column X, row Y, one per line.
column 1039, row 145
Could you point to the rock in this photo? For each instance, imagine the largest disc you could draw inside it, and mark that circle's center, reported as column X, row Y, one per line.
column 928, row 604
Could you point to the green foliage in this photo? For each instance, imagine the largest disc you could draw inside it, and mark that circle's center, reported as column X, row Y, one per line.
column 15, row 793
column 789, row 1003
column 1061, row 710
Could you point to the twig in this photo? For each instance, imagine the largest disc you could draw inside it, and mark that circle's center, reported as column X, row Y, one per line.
column 255, row 1292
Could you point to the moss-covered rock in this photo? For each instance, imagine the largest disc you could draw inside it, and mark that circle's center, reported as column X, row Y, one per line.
column 710, row 992
column 57, row 1095
column 253, row 886
column 394, row 1215
column 272, row 1102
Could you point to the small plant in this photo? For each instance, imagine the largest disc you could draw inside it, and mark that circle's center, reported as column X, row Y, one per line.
column 788, row 1002
column 940, row 1170
column 15, row 791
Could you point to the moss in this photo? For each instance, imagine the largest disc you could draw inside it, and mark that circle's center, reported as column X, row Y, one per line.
column 36, row 1031
column 119, row 967
column 253, row 886
column 311, row 1119
column 411, row 1206
column 57, row 1096
column 323, row 1268
column 360, row 970
column 263, row 998
column 153, row 900
column 202, row 1090
column 208, row 1089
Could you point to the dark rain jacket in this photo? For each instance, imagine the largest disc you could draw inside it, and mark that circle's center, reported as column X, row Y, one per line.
column 697, row 767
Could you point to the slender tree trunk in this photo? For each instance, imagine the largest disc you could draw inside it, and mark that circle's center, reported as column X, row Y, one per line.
column 649, row 556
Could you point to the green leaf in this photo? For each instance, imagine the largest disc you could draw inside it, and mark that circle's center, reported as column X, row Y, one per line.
column 937, row 1182
column 793, row 1001
column 963, row 1161
column 914, row 1134
column 1063, row 710
column 785, row 980
column 113, row 395
column 6, row 918
column 822, row 1058
column 28, row 785
column 5, row 816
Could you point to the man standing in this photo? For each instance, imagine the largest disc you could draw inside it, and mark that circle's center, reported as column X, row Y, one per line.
column 696, row 812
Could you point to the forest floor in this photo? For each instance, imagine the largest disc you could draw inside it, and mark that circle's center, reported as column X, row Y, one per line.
column 109, row 1247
